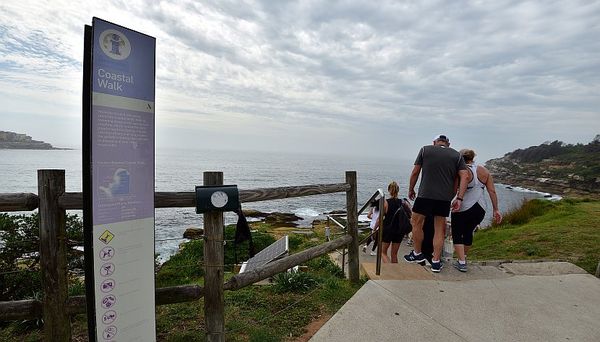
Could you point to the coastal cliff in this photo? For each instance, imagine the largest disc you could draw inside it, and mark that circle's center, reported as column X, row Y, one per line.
column 16, row 141
column 554, row 167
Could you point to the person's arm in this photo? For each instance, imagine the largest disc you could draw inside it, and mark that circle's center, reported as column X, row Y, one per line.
column 414, row 175
column 370, row 214
column 491, row 189
column 463, row 176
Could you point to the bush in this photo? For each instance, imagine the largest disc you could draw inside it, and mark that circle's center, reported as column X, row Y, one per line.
column 19, row 257
column 184, row 267
column 326, row 265
column 295, row 241
column 294, row 282
column 527, row 211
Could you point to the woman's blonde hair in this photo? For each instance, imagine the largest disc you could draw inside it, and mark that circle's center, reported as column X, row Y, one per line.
column 467, row 154
column 393, row 189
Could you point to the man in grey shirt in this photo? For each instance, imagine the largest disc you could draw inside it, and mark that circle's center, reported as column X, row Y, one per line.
column 439, row 166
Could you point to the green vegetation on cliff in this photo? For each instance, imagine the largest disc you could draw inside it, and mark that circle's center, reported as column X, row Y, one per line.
column 567, row 230
column 566, row 169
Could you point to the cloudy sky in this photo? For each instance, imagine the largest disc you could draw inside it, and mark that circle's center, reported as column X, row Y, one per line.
column 366, row 77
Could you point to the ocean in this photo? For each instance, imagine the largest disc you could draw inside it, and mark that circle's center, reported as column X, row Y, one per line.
column 182, row 169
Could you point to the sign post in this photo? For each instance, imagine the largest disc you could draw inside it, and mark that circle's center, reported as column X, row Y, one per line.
column 118, row 158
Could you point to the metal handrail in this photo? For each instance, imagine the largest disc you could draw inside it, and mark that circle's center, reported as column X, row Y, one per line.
column 380, row 235
column 378, row 192
column 381, row 195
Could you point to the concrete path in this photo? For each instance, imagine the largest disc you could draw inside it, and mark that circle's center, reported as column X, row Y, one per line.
column 495, row 301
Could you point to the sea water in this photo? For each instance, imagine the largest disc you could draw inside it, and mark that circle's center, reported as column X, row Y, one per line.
column 181, row 170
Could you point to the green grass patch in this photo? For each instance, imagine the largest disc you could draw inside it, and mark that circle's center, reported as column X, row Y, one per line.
column 187, row 267
column 567, row 230
column 260, row 313
column 254, row 313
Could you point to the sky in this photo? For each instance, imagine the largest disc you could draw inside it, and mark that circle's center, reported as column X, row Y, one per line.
column 377, row 78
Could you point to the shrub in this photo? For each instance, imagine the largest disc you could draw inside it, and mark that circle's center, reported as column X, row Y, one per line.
column 19, row 257
column 295, row 241
column 326, row 265
column 294, row 282
column 527, row 211
column 183, row 267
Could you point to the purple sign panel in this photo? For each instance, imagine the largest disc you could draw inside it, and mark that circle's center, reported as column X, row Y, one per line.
column 123, row 124
column 123, row 62
column 121, row 172
column 123, row 164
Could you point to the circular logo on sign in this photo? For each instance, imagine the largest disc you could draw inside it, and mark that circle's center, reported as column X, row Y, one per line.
column 219, row 199
column 114, row 44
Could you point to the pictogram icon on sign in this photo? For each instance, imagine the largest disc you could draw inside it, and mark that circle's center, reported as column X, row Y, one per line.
column 109, row 317
column 108, row 301
column 107, row 253
column 107, row 269
column 110, row 332
column 107, row 237
column 107, row 285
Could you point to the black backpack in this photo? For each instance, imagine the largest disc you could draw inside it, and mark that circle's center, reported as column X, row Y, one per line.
column 404, row 215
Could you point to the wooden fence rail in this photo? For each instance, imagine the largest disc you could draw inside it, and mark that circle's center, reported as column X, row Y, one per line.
column 32, row 309
column 74, row 200
column 52, row 202
column 19, row 202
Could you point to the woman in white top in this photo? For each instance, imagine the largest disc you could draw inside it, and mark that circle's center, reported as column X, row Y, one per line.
column 471, row 212
column 374, row 216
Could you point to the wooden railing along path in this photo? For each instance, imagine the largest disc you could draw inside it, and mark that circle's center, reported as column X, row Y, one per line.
column 56, row 308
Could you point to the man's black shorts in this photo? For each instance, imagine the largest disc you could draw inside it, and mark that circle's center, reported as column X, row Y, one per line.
column 431, row 207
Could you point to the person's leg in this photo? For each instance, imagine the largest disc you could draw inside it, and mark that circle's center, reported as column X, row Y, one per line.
column 476, row 215
column 384, row 248
column 395, row 247
column 460, row 251
column 369, row 240
column 375, row 240
column 427, row 244
column 417, row 221
column 438, row 237
column 458, row 230
column 467, row 242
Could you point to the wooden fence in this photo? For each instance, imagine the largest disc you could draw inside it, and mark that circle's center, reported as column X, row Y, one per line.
column 57, row 307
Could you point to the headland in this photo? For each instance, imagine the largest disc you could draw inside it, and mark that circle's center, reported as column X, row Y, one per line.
column 554, row 167
column 18, row 141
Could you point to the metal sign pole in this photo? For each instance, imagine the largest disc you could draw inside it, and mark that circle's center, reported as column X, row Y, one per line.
column 380, row 233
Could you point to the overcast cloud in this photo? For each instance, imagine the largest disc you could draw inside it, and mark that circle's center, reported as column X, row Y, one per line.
column 322, row 76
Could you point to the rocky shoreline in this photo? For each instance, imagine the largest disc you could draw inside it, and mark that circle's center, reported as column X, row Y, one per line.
column 554, row 167
column 553, row 186
column 275, row 220
column 573, row 186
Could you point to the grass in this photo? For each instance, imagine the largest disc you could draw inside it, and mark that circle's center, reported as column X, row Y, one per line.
column 278, row 312
column 567, row 230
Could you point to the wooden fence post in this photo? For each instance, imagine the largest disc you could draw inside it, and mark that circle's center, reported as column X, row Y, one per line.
column 352, row 222
column 214, row 259
column 53, row 255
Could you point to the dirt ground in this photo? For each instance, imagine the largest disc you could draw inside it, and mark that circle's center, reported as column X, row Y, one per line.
column 312, row 328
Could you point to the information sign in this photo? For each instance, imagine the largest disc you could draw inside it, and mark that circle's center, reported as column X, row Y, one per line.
column 119, row 186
